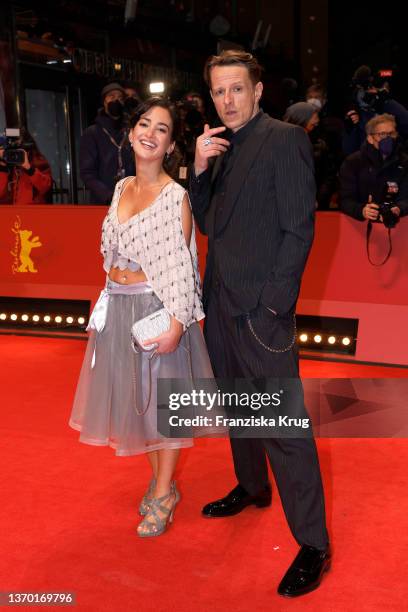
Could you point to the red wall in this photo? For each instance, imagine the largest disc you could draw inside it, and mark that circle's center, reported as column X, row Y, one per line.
column 339, row 281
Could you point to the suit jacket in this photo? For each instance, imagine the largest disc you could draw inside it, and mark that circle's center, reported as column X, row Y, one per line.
column 260, row 239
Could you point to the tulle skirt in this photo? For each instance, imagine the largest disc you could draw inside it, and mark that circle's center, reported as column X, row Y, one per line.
column 115, row 383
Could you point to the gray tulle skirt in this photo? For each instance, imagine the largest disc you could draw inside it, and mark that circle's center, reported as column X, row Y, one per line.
column 115, row 382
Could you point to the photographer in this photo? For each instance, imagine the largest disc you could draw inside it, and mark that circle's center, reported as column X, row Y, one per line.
column 105, row 155
column 371, row 97
column 25, row 176
column 378, row 172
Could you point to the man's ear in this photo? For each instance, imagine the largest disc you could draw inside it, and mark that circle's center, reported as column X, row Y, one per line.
column 258, row 91
column 370, row 139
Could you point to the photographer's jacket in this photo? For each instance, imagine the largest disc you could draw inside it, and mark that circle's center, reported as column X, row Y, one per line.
column 19, row 186
column 366, row 173
column 98, row 157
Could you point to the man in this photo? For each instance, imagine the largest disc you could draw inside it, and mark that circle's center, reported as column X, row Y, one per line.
column 380, row 165
column 257, row 207
column 105, row 154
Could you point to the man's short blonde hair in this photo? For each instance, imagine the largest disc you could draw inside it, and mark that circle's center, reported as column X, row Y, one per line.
column 371, row 125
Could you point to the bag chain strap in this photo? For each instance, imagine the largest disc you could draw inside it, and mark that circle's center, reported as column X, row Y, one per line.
column 150, row 358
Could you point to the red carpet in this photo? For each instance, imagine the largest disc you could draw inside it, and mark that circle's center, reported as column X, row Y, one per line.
column 69, row 510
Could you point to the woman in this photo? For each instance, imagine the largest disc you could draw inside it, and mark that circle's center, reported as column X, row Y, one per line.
column 150, row 257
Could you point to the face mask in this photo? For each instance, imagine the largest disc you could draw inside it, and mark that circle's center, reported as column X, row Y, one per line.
column 386, row 146
column 316, row 103
column 115, row 109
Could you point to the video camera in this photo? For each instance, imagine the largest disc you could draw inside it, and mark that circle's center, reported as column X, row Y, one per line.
column 13, row 149
column 369, row 91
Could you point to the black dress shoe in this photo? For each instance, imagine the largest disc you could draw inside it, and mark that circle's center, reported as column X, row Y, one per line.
column 306, row 572
column 237, row 500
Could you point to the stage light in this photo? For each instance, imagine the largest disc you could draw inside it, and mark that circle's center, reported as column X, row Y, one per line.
column 36, row 318
column 67, row 61
column 317, row 338
column 156, row 87
column 13, row 317
column 3, row 316
column 331, row 340
column 47, row 318
column 24, row 317
column 70, row 319
column 58, row 319
column 346, row 341
column 118, row 67
column 81, row 320
column 303, row 337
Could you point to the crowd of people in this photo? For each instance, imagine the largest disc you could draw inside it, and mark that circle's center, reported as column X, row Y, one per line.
column 105, row 155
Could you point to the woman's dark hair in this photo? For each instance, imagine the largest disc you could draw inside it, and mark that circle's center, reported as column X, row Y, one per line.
column 145, row 106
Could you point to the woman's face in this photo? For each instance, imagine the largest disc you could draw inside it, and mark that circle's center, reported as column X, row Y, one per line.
column 151, row 137
column 312, row 123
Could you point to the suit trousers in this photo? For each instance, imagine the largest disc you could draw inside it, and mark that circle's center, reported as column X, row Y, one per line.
column 235, row 353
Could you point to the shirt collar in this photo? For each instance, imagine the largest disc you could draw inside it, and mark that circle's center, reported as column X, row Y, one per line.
column 237, row 138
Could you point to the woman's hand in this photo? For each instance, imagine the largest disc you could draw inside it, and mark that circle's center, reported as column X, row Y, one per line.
column 169, row 340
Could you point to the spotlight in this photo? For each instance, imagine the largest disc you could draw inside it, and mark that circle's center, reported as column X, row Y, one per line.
column 303, row 337
column 24, row 317
column 47, row 318
column 3, row 316
column 70, row 319
column 317, row 338
column 331, row 340
column 81, row 320
column 36, row 318
column 346, row 341
column 13, row 317
column 58, row 319
column 156, row 88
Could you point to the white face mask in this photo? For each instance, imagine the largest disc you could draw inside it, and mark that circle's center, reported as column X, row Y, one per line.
column 315, row 102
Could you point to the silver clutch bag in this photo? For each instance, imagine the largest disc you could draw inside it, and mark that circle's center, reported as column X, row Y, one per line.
column 149, row 327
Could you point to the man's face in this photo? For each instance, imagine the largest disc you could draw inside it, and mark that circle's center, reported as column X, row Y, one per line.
column 112, row 96
column 382, row 130
column 235, row 97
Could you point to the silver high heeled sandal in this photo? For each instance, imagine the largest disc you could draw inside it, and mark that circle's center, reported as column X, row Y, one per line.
column 159, row 524
column 148, row 496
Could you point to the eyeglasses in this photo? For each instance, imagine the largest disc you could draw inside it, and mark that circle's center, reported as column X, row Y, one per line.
column 382, row 135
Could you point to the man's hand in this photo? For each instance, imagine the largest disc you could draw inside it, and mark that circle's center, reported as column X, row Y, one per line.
column 169, row 340
column 370, row 210
column 26, row 165
column 354, row 116
column 2, row 163
column 396, row 210
column 208, row 145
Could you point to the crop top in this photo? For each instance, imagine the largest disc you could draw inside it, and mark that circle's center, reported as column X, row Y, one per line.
column 153, row 240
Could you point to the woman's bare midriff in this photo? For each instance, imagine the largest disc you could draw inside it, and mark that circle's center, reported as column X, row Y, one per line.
column 126, row 276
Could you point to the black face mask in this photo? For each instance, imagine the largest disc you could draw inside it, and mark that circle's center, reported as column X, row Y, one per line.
column 115, row 109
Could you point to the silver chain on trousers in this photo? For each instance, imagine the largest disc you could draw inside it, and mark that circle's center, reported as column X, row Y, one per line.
column 269, row 348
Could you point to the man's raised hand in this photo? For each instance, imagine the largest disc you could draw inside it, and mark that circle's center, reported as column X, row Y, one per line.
column 209, row 145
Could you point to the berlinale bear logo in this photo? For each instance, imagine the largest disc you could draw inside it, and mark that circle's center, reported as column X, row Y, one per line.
column 22, row 249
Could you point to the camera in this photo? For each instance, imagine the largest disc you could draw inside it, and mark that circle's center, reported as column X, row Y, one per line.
column 388, row 217
column 369, row 91
column 13, row 149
